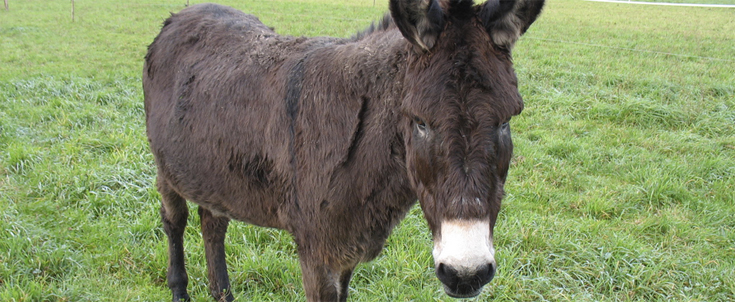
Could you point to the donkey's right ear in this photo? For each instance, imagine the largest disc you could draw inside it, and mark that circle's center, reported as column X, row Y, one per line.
column 507, row 20
column 420, row 21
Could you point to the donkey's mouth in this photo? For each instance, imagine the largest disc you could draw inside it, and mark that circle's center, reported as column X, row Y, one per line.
column 462, row 293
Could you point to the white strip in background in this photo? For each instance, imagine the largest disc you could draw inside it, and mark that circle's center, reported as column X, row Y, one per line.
column 666, row 3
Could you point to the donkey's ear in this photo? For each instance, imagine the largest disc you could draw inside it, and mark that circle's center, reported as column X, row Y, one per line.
column 507, row 20
column 420, row 21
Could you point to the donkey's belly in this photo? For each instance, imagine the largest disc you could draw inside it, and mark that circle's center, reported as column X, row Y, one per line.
column 231, row 194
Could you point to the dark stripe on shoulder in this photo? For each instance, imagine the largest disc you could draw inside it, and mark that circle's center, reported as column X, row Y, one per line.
column 293, row 89
column 293, row 94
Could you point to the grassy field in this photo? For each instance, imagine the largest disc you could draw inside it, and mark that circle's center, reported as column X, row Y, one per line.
column 622, row 187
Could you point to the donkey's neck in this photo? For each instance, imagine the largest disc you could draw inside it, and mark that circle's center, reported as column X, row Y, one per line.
column 375, row 67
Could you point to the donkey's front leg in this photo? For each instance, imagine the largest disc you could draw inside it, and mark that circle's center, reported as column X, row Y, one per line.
column 344, row 284
column 322, row 283
column 213, row 234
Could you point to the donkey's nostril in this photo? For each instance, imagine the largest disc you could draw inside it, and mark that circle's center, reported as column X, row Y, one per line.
column 447, row 275
column 485, row 274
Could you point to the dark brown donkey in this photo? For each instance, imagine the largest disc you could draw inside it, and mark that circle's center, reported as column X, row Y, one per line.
column 335, row 139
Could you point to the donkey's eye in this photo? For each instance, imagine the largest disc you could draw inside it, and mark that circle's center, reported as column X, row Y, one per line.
column 420, row 123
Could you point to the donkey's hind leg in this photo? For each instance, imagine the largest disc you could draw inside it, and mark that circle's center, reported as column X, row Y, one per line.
column 213, row 234
column 173, row 215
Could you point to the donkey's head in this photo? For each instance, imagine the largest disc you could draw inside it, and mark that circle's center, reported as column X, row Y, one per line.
column 460, row 93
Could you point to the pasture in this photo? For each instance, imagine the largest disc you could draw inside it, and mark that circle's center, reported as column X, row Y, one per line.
column 622, row 186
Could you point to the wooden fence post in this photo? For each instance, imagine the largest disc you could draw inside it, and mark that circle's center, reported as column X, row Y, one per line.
column 72, row 10
column 6, row 5
column 187, row 3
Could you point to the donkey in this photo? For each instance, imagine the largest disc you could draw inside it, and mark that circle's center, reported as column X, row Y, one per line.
column 335, row 139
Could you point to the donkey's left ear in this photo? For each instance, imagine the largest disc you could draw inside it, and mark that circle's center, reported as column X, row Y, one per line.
column 420, row 21
column 507, row 20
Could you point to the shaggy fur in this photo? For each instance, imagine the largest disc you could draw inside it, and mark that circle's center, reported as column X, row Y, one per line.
column 330, row 139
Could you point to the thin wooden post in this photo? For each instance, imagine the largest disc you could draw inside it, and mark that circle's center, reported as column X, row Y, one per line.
column 72, row 10
column 187, row 3
column 6, row 5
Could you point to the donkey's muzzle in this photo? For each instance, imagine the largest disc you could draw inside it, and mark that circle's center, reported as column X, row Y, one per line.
column 464, row 283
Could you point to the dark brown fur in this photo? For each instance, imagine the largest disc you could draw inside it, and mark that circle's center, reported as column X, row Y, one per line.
column 318, row 137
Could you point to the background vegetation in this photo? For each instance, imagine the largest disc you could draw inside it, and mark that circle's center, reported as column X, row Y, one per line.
column 622, row 187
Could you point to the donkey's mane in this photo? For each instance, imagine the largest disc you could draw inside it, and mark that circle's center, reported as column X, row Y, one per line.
column 385, row 23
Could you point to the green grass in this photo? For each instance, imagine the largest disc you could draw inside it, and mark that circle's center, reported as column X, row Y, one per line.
column 622, row 187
